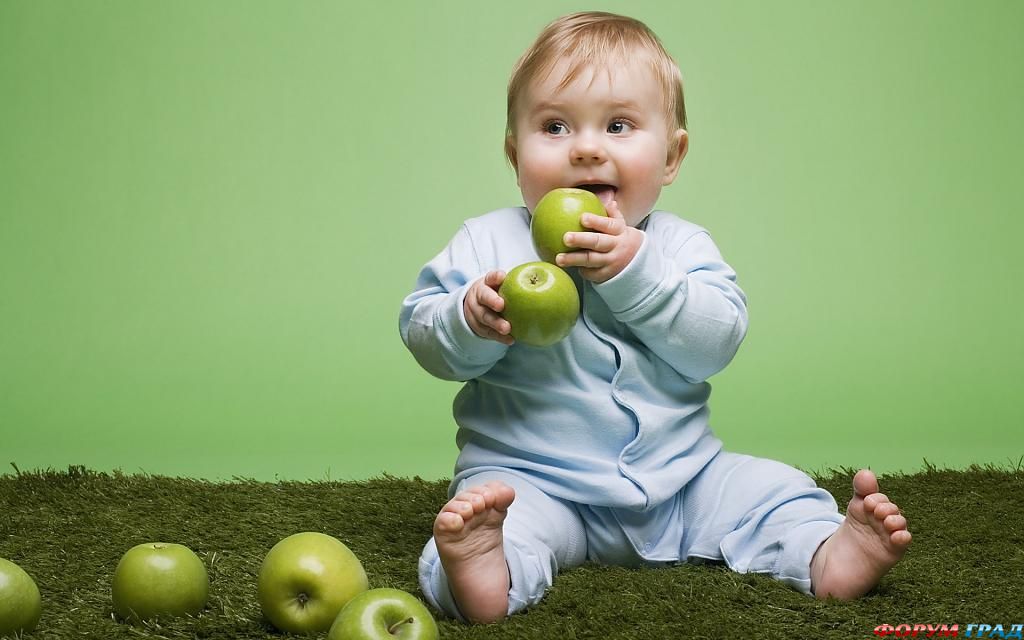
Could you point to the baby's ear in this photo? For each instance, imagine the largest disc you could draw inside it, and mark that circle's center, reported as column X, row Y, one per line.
column 678, row 144
column 510, row 152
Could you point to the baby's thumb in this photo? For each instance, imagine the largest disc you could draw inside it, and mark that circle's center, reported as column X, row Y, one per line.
column 494, row 279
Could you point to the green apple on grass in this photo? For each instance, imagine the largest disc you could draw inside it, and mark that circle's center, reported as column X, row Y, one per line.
column 306, row 579
column 557, row 213
column 541, row 303
column 159, row 580
column 20, row 604
column 384, row 614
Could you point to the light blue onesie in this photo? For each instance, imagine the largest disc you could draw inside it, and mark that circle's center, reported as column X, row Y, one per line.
column 605, row 435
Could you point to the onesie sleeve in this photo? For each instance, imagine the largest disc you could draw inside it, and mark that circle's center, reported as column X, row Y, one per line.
column 684, row 304
column 432, row 323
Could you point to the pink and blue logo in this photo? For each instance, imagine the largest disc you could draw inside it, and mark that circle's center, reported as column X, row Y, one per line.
column 973, row 630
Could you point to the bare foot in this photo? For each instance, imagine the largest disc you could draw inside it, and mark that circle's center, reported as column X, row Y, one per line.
column 872, row 539
column 468, row 535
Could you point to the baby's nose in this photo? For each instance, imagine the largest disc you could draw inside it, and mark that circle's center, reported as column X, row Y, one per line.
column 587, row 152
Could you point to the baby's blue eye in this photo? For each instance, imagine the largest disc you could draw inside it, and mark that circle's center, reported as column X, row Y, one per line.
column 618, row 127
column 555, row 128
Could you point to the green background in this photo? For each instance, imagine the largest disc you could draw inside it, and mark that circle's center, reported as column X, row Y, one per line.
column 211, row 211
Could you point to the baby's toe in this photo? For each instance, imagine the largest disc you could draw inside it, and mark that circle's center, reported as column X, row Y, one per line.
column 504, row 495
column 901, row 538
column 895, row 522
column 865, row 482
column 486, row 493
column 886, row 509
column 476, row 502
column 448, row 522
column 461, row 508
column 872, row 501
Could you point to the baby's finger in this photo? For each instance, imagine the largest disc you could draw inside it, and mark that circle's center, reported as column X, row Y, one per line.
column 600, row 242
column 613, row 210
column 482, row 327
column 491, row 334
column 493, row 279
column 611, row 226
column 585, row 259
column 496, row 323
column 490, row 299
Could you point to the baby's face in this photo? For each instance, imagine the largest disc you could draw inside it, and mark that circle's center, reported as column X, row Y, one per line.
column 607, row 130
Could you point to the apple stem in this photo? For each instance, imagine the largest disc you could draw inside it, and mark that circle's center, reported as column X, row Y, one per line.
column 393, row 628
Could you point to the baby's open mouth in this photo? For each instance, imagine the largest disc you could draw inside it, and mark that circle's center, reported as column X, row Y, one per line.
column 604, row 192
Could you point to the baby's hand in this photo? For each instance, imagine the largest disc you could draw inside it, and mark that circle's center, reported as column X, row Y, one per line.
column 482, row 306
column 602, row 255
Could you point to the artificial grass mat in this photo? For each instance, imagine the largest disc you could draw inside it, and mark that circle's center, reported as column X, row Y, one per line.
column 69, row 529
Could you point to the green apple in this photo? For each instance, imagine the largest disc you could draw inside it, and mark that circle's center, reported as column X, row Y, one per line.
column 306, row 579
column 159, row 580
column 20, row 604
column 384, row 614
column 541, row 303
column 558, row 212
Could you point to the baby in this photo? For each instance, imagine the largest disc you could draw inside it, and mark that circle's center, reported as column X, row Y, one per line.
column 599, row 447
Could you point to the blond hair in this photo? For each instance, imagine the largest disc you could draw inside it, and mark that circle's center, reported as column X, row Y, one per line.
column 595, row 39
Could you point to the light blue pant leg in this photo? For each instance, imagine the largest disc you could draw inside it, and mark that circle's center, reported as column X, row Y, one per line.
column 759, row 516
column 542, row 536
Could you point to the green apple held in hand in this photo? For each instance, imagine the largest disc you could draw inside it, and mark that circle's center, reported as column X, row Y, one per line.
column 559, row 212
column 159, row 580
column 541, row 303
column 20, row 604
column 384, row 614
column 305, row 581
